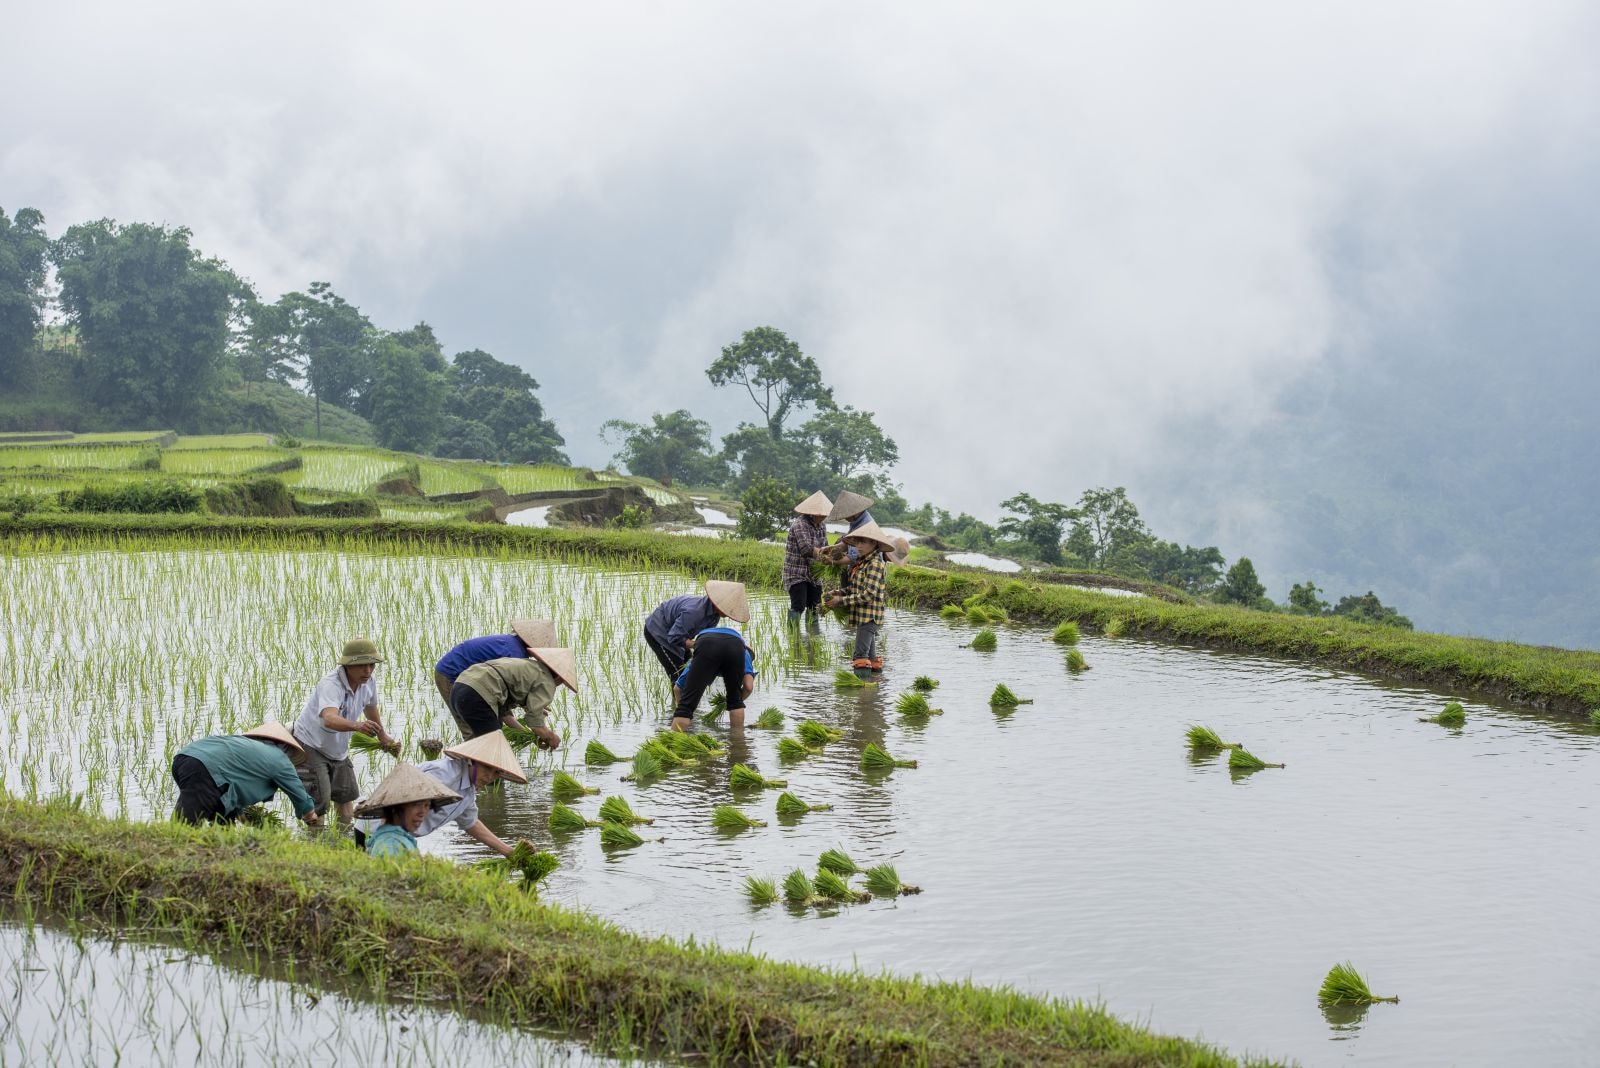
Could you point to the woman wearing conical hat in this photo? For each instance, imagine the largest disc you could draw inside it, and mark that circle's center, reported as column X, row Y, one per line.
column 485, row 694
column 526, row 635
column 807, row 537
column 670, row 629
column 851, row 509
column 221, row 776
column 402, row 800
column 865, row 594
column 463, row 770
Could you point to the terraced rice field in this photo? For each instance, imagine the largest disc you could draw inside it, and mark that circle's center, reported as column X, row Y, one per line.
column 74, row 457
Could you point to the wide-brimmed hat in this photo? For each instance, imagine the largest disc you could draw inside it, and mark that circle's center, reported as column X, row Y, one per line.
column 562, row 664
column 358, row 651
column 535, row 633
column 491, row 749
column 277, row 732
column 816, row 504
column 405, row 784
column 874, row 533
column 729, row 598
column 849, row 504
column 902, row 551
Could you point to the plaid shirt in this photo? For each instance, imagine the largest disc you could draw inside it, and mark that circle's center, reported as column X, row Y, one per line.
column 866, row 590
column 804, row 539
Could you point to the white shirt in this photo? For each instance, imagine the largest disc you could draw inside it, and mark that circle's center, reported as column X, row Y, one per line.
column 334, row 692
column 457, row 775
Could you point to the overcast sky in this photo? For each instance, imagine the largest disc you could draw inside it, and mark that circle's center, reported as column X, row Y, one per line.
column 1038, row 240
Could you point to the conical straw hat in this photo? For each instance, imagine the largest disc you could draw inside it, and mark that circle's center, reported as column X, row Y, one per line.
column 873, row 532
column 849, row 504
column 535, row 633
column 275, row 732
column 902, row 551
column 816, row 504
column 405, row 784
column 491, row 749
column 562, row 664
column 730, row 599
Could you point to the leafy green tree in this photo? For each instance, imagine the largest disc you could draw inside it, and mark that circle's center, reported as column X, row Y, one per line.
column 752, row 453
column 24, row 255
column 1191, row 569
column 1037, row 524
column 778, row 377
column 406, row 398
column 766, row 508
column 504, row 398
column 151, row 313
column 1105, row 526
column 1241, row 586
column 1304, row 599
column 1368, row 609
column 847, row 442
column 675, row 447
column 467, row 439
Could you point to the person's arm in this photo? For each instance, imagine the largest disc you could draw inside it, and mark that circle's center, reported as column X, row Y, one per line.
column 681, row 632
column 335, row 722
column 478, row 832
column 375, row 717
column 535, row 705
column 287, row 779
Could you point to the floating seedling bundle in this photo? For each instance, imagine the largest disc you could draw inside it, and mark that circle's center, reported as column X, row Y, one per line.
column 833, row 886
column 743, row 777
column 760, row 891
column 914, row 705
column 985, row 641
column 884, row 881
column 1242, row 760
column 876, row 758
column 1076, row 662
column 813, row 733
column 730, row 818
column 615, row 809
column 924, row 684
column 1204, row 738
column 1002, row 697
column 1453, row 715
column 1346, row 986
column 1116, row 626
column 688, row 747
column 837, row 860
column 847, row 680
column 647, row 765
column 1066, row 633
column 567, row 820
column 798, row 889
column 566, row 788
column 771, row 719
column 791, row 805
column 597, row 753
column 792, row 749
column 619, row 836
column 952, row 611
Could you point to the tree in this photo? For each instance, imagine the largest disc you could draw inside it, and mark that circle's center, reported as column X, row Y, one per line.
column 1105, row 525
column 766, row 508
column 406, row 399
column 1241, row 586
column 675, row 447
column 1191, row 569
column 504, row 398
column 1304, row 599
column 24, row 255
column 1037, row 524
column 776, row 374
column 1368, row 609
column 755, row 454
column 151, row 313
column 847, row 441
column 466, row 439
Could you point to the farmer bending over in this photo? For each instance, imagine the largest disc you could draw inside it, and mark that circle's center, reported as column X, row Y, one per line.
column 402, row 800
column 466, row 769
column 671, row 628
column 485, row 694
column 343, row 703
column 719, row 652
column 865, row 594
column 526, row 635
column 221, row 776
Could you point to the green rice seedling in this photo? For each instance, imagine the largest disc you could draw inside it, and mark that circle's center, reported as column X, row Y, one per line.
column 1594, row 717
column 977, row 615
column 1116, row 626
column 730, row 818
column 791, row 805
column 743, row 777
column 687, row 747
column 876, row 758
column 1453, row 715
column 519, row 737
column 1066, row 633
column 566, row 787
column 997, row 614
column 884, row 881
column 984, row 641
column 1002, row 697
column 662, row 752
column 1076, row 662
column 1345, row 985
column 1202, row 738
column 833, row 886
column 619, row 836
column 646, row 766
column 760, row 891
column 260, row 816
column 798, row 889
column 369, row 744
column 1242, row 760
column 615, row 809
column 719, row 704
column 911, row 704
column 924, row 684
column 952, row 611
column 597, row 753
column 431, row 747
column 567, row 820
column 813, row 733
column 837, row 860
column 846, row 680
column 790, row 749
column 771, row 719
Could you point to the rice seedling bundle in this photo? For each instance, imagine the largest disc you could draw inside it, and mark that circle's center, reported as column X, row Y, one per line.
column 876, row 758
column 1453, row 715
column 662, row 752
column 798, row 888
column 1202, row 738
column 952, row 611
column 1344, row 986
column 911, row 704
column 760, row 891
column 597, row 753
column 1002, row 697
column 833, row 886
column 742, row 777
column 431, row 747
column 977, row 615
column 985, row 641
column 368, row 743
column 837, row 860
column 1242, row 760
column 1594, row 717
column 261, row 816
column 619, row 836
column 794, row 749
column 884, row 881
column 771, row 719
column 615, row 809
column 924, row 684
column 519, row 737
column 846, row 680
column 719, row 704
column 646, row 765
column 1116, row 627
column 566, row 787
column 1076, row 662
column 729, row 818
column 567, row 820
column 813, row 733
column 791, row 805
column 1066, row 633
column 686, row 746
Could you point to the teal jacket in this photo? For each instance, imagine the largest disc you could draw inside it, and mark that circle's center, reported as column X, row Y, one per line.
column 391, row 840
column 249, row 772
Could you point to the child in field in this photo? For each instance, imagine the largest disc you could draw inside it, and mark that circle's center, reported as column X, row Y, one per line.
column 403, row 800
column 719, row 652
column 865, row 595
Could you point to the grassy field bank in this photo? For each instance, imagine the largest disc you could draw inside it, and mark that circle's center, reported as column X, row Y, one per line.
column 428, row 929
column 1558, row 680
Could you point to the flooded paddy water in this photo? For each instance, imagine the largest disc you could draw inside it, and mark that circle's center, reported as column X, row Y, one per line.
column 1072, row 847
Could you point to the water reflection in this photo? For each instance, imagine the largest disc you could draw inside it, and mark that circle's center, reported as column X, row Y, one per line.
column 1344, row 1018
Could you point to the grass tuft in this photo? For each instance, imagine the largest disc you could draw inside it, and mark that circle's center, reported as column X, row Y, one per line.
column 1344, row 986
column 1116, row 627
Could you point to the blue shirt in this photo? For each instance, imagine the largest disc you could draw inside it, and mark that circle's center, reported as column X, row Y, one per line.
column 677, row 618
column 391, row 840
column 749, row 660
column 477, row 650
column 249, row 771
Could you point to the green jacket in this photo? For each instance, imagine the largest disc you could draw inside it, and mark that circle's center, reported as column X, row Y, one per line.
column 512, row 682
column 249, row 771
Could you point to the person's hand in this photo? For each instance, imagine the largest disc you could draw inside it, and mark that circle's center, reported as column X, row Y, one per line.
column 365, row 726
column 312, row 819
column 546, row 738
column 688, row 643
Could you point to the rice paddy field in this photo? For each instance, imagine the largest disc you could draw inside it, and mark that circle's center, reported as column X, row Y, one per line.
column 1069, row 843
column 75, row 457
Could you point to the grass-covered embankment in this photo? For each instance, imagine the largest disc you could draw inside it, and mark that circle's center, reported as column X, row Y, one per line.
column 1533, row 676
column 426, row 928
